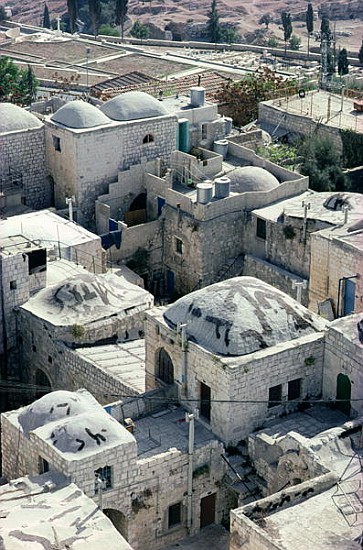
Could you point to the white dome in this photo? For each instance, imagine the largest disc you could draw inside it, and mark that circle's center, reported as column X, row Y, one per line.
column 252, row 178
column 240, row 316
column 14, row 118
column 133, row 106
column 79, row 114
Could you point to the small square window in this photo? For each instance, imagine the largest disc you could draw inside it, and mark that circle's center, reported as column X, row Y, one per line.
column 174, row 515
column 261, row 228
column 294, row 389
column 274, row 396
column 13, row 285
column 103, row 479
column 179, row 245
column 50, row 359
column 57, row 143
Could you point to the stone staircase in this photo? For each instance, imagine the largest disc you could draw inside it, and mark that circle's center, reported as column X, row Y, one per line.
column 242, row 478
column 232, row 267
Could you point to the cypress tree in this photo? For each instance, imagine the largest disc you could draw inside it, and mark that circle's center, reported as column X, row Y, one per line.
column 72, row 12
column 46, row 18
column 286, row 23
column 309, row 23
column 94, row 7
column 343, row 64
column 213, row 27
column 360, row 54
column 120, row 14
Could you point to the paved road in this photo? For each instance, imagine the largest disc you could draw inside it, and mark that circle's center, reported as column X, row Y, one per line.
column 213, row 537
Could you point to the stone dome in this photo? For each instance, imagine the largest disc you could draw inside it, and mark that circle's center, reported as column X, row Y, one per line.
column 79, row 114
column 14, row 118
column 133, row 106
column 251, row 178
column 240, row 316
column 53, row 406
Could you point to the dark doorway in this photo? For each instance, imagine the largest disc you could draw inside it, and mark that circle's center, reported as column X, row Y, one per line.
column 42, row 383
column 207, row 510
column 165, row 368
column 349, row 296
column 170, row 281
column 343, row 393
column 205, row 398
column 137, row 211
column 119, row 521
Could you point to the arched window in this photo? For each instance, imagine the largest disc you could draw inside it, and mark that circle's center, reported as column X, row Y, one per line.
column 148, row 139
column 165, row 368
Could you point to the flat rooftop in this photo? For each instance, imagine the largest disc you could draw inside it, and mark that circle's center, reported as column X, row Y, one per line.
column 126, row 362
column 167, row 429
column 45, row 512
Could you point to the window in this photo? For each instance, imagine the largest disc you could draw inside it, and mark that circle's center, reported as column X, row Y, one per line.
column 43, row 465
column 56, row 143
column 13, row 285
column 204, row 131
column 261, row 228
column 179, row 245
column 50, row 359
column 34, row 348
column 148, row 139
column 103, row 479
column 274, row 396
column 205, row 401
column 294, row 389
column 174, row 516
column 165, row 368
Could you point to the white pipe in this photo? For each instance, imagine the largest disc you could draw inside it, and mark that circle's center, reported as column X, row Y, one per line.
column 189, row 417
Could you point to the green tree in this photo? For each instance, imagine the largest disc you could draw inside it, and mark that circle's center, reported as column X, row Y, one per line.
column 240, row 99
column 294, row 42
column 287, row 26
column 213, row 26
column 94, row 7
column 27, row 86
column 2, row 14
column 228, row 35
column 9, row 76
column 108, row 30
column 46, row 18
column 325, row 27
column 72, row 13
column 309, row 23
column 139, row 30
column 323, row 164
column 265, row 20
column 343, row 64
column 16, row 86
column 360, row 54
column 120, row 14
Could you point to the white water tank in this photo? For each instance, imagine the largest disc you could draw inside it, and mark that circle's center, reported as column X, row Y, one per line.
column 204, row 192
column 221, row 147
column 197, row 96
column 221, row 187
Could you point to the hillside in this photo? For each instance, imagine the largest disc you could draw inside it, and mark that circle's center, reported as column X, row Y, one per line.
column 187, row 17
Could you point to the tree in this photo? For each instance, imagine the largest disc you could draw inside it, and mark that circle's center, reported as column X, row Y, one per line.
column 309, row 23
column 286, row 23
column 2, row 13
column 325, row 27
column 120, row 15
column 240, row 99
column 108, row 30
column 46, row 18
column 213, row 26
column 139, row 30
column 9, row 75
column 294, row 42
column 72, row 13
column 360, row 54
column 94, row 7
column 16, row 86
column 323, row 164
column 265, row 20
column 27, row 86
column 343, row 64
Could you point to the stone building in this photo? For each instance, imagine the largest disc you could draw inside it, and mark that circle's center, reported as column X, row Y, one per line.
column 87, row 147
column 231, row 342
column 80, row 311
column 23, row 177
column 147, row 483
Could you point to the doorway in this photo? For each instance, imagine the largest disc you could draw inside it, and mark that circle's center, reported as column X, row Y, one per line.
column 205, row 401
column 343, row 393
column 207, row 510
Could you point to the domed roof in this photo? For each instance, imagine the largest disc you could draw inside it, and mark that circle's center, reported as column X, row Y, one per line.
column 53, row 406
column 240, row 316
column 79, row 114
column 251, row 178
column 14, row 118
column 133, row 106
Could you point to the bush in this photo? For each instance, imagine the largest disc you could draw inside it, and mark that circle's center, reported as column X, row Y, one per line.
column 108, row 30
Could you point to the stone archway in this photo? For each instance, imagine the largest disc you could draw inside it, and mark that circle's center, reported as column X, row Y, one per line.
column 343, row 395
column 119, row 521
column 164, row 367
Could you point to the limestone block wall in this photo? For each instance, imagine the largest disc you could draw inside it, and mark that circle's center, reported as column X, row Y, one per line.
column 331, row 259
column 19, row 457
column 274, row 275
column 270, row 113
column 344, row 355
column 24, row 152
column 248, row 535
column 15, row 291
